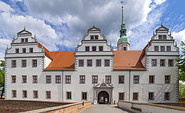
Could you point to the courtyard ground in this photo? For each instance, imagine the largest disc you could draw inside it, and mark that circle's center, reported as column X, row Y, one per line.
column 104, row 108
column 13, row 106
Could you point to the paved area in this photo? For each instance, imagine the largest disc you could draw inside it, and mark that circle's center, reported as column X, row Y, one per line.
column 103, row 108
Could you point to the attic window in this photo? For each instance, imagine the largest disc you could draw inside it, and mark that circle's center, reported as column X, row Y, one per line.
column 92, row 37
column 96, row 37
column 162, row 37
column 22, row 40
column 26, row 39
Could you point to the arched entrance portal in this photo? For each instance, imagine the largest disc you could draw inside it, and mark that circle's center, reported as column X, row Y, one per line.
column 103, row 97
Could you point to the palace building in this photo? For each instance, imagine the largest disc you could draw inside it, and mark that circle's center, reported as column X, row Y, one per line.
column 94, row 71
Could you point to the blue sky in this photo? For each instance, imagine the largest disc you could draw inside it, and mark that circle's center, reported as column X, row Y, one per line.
column 61, row 24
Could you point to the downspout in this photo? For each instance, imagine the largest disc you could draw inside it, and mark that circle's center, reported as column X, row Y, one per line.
column 129, row 83
column 62, row 86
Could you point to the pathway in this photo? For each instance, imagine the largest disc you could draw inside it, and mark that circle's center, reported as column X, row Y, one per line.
column 103, row 108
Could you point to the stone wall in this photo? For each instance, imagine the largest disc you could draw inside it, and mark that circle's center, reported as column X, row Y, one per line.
column 149, row 108
column 70, row 108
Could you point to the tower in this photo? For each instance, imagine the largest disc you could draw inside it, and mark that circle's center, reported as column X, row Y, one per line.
column 123, row 42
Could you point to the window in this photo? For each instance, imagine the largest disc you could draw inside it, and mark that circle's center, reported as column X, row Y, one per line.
column 154, row 62
column 96, row 37
column 35, row 94
column 167, row 96
column 136, row 79
column 89, row 63
column 23, row 50
column 13, row 63
column 24, row 79
column 135, row 96
column 68, row 79
column 24, row 93
column 13, row 79
column 34, row 78
column 162, row 48
column 92, row 37
column 34, row 63
column 58, row 79
column 86, row 48
column 151, row 79
column 16, row 50
column 170, row 63
column 81, row 63
column 167, row 79
column 98, row 63
column 168, row 48
column 31, row 50
column 156, row 48
column 124, row 48
column 100, row 48
column 84, row 95
column 26, row 39
column 93, row 48
column 22, row 40
column 82, row 79
column 121, row 79
column 14, row 93
column 94, row 79
column 151, row 96
column 23, row 63
column 107, row 62
column 121, row 96
column 162, row 62
column 162, row 37
column 48, row 78
column 108, row 79
column 68, row 95
column 48, row 94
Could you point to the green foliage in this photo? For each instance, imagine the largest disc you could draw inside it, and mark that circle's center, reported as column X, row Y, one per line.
column 181, row 90
column 2, row 76
column 181, row 63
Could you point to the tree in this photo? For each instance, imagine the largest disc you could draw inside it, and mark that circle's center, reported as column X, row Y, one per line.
column 181, row 90
column 181, row 63
column 2, row 76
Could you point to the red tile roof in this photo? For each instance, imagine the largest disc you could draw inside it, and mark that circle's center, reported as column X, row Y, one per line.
column 128, row 60
column 62, row 60
column 123, row 60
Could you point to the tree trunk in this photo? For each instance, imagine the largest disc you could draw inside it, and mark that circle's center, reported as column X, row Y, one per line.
column 2, row 93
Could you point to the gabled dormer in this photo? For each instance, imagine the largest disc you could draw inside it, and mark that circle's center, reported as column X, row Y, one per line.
column 162, row 33
column 24, row 36
column 94, row 33
column 93, row 41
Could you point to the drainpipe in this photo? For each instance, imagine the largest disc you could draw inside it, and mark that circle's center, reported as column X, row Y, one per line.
column 62, row 86
column 129, row 83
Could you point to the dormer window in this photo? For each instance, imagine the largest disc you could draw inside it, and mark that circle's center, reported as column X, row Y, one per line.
column 162, row 37
column 100, row 48
column 17, row 50
column 24, row 40
column 86, row 48
column 92, row 37
column 23, row 50
column 31, row 50
column 168, row 48
column 96, row 37
column 93, row 48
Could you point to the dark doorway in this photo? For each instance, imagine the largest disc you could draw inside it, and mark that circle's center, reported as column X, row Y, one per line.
column 103, row 97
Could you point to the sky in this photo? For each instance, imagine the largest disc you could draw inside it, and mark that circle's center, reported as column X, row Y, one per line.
column 59, row 25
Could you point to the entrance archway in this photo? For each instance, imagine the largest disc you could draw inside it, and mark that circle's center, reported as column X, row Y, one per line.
column 103, row 97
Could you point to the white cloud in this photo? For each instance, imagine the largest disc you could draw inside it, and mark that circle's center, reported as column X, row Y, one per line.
column 159, row 2
column 5, row 7
column 180, row 36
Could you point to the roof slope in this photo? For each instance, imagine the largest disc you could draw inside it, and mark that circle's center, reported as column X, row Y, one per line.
column 125, row 60
column 62, row 60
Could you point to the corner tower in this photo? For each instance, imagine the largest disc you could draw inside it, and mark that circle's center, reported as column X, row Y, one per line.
column 123, row 42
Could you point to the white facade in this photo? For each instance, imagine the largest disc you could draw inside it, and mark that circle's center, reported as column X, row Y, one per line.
column 58, row 91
